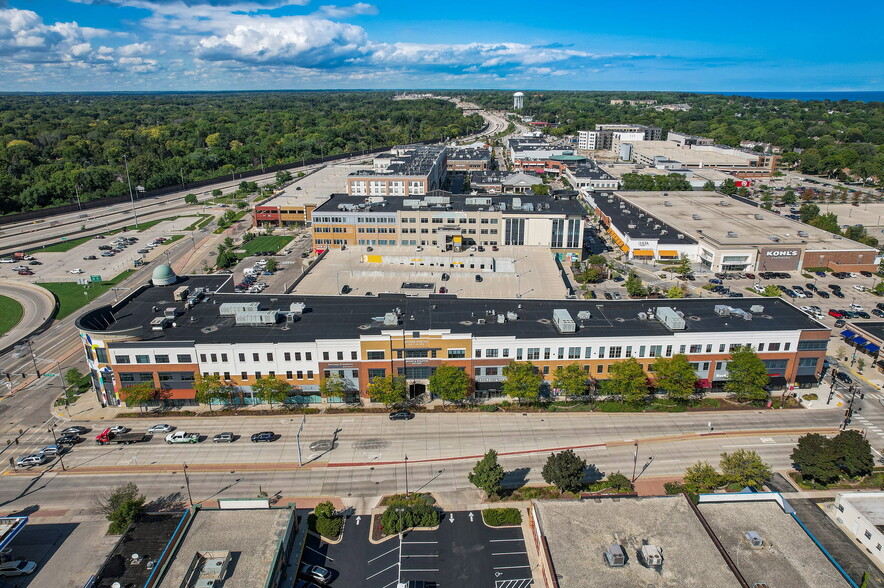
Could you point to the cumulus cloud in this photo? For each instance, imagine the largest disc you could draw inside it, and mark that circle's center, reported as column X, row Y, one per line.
column 360, row 8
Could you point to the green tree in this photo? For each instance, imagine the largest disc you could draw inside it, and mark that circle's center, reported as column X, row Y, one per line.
column 487, row 474
column 521, row 380
column 282, row 177
column 808, row 212
column 450, row 383
column 190, row 199
column 747, row 376
column 564, row 470
column 728, row 187
column 139, row 394
column 73, row 377
column 216, row 192
column 683, row 267
column 854, row 453
column 701, row 477
column 121, row 506
column 570, row 379
column 389, row 390
column 540, row 189
column 827, row 222
column 335, row 386
column 209, row 389
column 789, row 196
column 709, row 186
column 816, row 459
column 771, row 291
column 745, row 468
column 676, row 291
column 634, row 286
column 271, row 265
column 629, row 381
column 676, row 376
column 268, row 389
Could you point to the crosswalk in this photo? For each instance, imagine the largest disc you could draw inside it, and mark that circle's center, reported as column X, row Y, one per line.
column 872, row 428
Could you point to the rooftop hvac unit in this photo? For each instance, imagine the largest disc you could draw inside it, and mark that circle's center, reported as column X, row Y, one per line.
column 631, row 226
column 511, row 316
column 257, row 317
column 614, row 556
column 480, row 322
column 651, row 555
column 722, row 310
column 756, row 309
column 759, row 217
column 732, row 234
column 584, row 315
column 563, row 321
column 803, row 234
column 754, row 539
column 391, row 319
column 642, row 316
column 724, row 203
column 739, row 312
column 667, row 203
column 159, row 323
column 664, row 232
column 774, row 238
column 501, row 318
column 297, row 307
column 656, row 227
column 232, row 308
column 170, row 312
column 680, row 236
column 670, row 318
column 696, row 217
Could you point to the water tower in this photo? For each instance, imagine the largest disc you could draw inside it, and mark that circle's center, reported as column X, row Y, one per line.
column 518, row 101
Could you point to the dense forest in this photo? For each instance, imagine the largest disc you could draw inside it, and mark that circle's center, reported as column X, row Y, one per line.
column 836, row 139
column 55, row 147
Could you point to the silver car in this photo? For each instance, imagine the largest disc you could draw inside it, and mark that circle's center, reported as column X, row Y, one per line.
column 163, row 428
column 31, row 460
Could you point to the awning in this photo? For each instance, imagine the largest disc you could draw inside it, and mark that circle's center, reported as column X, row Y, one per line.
column 624, row 248
column 806, row 379
column 643, row 252
column 777, row 381
column 703, row 383
column 667, row 253
column 872, row 348
column 848, row 334
column 859, row 340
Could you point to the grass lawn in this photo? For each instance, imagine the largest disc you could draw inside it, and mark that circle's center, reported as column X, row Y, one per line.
column 63, row 246
column 265, row 243
column 10, row 313
column 71, row 295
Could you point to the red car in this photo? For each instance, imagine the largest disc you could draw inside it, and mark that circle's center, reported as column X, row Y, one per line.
column 750, row 276
column 836, row 313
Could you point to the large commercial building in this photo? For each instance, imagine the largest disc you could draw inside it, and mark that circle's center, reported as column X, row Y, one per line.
column 469, row 159
column 452, row 222
column 589, row 176
column 295, row 203
column 533, row 149
column 722, row 233
column 408, row 170
column 863, row 514
column 150, row 337
column 742, row 163
column 602, row 137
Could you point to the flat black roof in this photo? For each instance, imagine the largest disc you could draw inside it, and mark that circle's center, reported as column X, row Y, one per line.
column 348, row 317
column 561, row 202
column 147, row 537
column 590, row 171
column 643, row 227
column 469, row 153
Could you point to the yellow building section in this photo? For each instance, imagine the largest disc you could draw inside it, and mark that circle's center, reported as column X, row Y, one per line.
column 398, row 342
column 615, row 237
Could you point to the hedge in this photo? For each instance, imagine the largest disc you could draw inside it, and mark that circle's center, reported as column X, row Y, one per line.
column 495, row 517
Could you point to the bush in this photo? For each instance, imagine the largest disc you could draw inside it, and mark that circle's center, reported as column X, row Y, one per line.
column 496, row 517
column 810, row 396
column 329, row 528
column 673, row 487
column 619, row 482
column 488, row 408
column 401, row 515
column 121, row 506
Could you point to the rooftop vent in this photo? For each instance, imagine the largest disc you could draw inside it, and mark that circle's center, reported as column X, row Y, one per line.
column 391, row 319
column 754, row 539
column 670, row 318
column 680, row 236
column 651, row 556
column 584, row 315
column 759, row 217
column 297, row 307
column 732, row 234
column 803, row 234
column 724, row 203
column 756, row 309
column 615, row 557
column 696, row 217
column 563, row 321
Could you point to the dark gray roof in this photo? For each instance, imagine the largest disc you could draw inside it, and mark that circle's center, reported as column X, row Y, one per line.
column 646, row 227
column 348, row 317
column 417, row 162
column 565, row 203
column 469, row 154
column 148, row 537
column 590, row 171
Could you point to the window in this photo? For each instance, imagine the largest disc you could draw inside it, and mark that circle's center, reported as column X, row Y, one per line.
column 457, row 353
column 573, row 353
column 308, row 356
column 761, row 347
column 545, row 370
column 340, row 356
column 269, row 357
column 600, row 369
column 127, row 377
column 142, row 359
column 696, row 349
column 601, row 353
column 256, row 357
column 161, row 358
column 183, row 358
column 628, row 351
column 478, row 352
column 681, row 349
column 773, row 347
column 244, row 376
column 812, row 345
column 560, row 354
column 309, row 374
column 615, row 352
column 720, row 366
column 656, row 350
column 325, row 356
column 868, row 535
column 416, row 353
column 533, row 353
column 733, row 346
column 491, row 352
column 375, row 355
column 122, row 359
column 641, row 351
column 669, row 351
column 297, row 356
column 786, row 346
column 214, row 357
column 271, row 374
column 810, row 362
column 203, row 358
column 506, row 352
column 546, row 353
column 226, row 376
column 257, row 375
column 709, row 348
column 288, row 375
column 287, row 357
column 775, row 364
column 354, row 355
column 491, row 371
column 223, row 357
column 721, row 348
column 518, row 353
column 242, row 356
column 300, row 374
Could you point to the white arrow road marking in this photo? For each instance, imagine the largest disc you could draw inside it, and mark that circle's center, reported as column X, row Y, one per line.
column 357, row 520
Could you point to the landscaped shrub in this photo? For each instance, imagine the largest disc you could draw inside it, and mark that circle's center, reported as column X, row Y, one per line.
column 329, row 527
column 496, row 517
column 810, row 396
column 401, row 515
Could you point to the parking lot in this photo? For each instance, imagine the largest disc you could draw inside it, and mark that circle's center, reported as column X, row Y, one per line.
column 57, row 266
column 463, row 551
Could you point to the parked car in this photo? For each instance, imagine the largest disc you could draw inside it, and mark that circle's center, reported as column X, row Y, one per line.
column 863, row 314
column 401, row 415
column 822, row 294
column 838, row 293
column 316, row 573
column 836, row 313
column 162, row 428
column 821, row 274
column 866, row 274
column 840, row 323
column 89, row 258
column 263, row 437
column 609, row 296
column 224, row 438
column 19, row 567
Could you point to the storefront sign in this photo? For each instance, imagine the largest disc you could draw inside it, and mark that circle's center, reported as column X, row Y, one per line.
column 779, row 259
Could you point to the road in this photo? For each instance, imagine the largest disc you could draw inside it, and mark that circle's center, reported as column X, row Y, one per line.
column 37, row 304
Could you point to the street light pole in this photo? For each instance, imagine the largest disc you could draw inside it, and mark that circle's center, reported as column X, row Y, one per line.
column 187, row 484
column 131, row 194
column 406, row 476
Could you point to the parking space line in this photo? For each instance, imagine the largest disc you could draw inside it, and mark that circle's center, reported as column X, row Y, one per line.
column 393, row 583
column 511, row 553
column 511, row 567
column 427, row 570
column 383, row 554
column 406, row 556
column 418, row 542
column 519, row 583
column 382, row 571
column 501, row 540
column 318, row 553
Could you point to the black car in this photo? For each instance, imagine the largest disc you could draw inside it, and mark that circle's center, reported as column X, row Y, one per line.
column 69, row 440
column 263, row 437
column 878, row 312
column 608, row 296
column 478, row 278
column 866, row 274
column 822, row 294
column 840, row 322
column 402, row 415
column 838, row 293
column 862, row 314
column 843, row 377
column 74, row 431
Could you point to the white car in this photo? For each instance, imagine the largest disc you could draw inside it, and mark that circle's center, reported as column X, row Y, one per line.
column 758, row 288
column 7, row 260
column 856, row 307
column 119, row 429
column 162, row 428
column 859, row 288
column 18, row 567
column 806, row 309
column 75, row 271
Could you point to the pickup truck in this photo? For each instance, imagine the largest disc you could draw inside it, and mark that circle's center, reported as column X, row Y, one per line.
column 107, row 436
column 182, row 437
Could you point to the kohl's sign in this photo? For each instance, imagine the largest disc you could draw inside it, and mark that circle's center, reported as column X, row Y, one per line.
column 779, row 259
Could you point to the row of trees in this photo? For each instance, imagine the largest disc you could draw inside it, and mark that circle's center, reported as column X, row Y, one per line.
column 824, row 460
column 741, row 469
column 53, row 147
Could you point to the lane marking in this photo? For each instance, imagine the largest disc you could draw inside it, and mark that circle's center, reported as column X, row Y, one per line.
column 511, row 553
column 381, row 555
column 519, row 539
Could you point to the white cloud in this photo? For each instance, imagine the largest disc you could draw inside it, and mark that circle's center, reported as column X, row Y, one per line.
column 24, row 37
column 360, row 8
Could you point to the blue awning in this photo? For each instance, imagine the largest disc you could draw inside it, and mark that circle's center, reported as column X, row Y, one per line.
column 848, row 334
column 872, row 348
column 859, row 340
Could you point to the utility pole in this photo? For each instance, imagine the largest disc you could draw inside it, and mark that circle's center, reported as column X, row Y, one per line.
column 131, row 194
column 187, row 483
column 406, row 476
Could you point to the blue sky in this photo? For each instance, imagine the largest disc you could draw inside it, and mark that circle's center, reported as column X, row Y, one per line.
column 132, row 45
